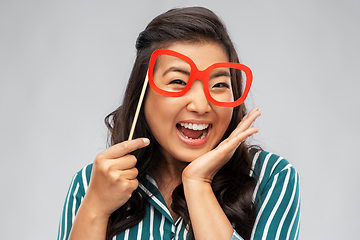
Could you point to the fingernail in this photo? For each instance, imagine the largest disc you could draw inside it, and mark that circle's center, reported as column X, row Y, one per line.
column 146, row 140
column 252, row 112
column 255, row 111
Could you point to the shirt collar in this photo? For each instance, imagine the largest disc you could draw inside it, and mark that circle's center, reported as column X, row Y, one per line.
column 149, row 189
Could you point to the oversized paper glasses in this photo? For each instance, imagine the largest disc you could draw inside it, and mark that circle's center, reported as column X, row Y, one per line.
column 172, row 74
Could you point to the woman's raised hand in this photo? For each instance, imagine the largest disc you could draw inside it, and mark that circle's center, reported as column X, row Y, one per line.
column 197, row 178
column 113, row 178
column 204, row 168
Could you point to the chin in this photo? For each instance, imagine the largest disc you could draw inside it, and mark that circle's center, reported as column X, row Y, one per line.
column 189, row 156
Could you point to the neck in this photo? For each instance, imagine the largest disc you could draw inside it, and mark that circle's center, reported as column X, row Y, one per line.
column 169, row 172
column 168, row 176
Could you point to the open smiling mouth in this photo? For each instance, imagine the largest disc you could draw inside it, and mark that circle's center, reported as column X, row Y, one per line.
column 193, row 131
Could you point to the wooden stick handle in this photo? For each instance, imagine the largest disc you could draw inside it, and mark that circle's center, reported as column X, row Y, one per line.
column 138, row 107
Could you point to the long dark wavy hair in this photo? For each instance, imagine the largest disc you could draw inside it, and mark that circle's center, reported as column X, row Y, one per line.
column 232, row 185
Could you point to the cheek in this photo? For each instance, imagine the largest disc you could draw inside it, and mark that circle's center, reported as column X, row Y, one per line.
column 151, row 111
column 160, row 112
column 224, row 120
column 225, row 115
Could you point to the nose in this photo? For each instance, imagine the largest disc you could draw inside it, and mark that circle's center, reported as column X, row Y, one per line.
column 197, row 100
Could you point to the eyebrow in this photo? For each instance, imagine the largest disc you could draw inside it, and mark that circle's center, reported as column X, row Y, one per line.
column 176, row 69
column 221, row 73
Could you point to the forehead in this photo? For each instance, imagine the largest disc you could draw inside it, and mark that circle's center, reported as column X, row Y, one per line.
column 203, row 54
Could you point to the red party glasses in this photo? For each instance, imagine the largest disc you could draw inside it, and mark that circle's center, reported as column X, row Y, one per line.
column 172, row 74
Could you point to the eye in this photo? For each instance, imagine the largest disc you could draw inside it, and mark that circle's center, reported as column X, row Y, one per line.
column 178, row 81
column 221, row 85
column 220, row 79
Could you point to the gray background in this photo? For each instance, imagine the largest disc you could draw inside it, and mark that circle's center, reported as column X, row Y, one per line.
column 64, row 66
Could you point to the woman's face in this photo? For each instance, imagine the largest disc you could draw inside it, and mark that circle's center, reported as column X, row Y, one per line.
column 187, row 127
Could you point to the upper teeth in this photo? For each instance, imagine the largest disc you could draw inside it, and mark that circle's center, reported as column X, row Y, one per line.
column 195, row 126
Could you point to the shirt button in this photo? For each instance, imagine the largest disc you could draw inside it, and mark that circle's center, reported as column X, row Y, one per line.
column 172, row 235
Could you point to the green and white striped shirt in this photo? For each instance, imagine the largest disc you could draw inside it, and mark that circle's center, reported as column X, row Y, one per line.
column 277, row 194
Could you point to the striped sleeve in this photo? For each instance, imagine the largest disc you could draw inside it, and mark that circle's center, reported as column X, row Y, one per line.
column 74, row 197
column 277, row 196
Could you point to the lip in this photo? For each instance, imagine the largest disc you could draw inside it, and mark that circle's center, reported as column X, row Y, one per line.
column 193, row 142
column 196, row 121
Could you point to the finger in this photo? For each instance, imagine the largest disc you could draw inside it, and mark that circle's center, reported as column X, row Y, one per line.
column 129, row 174
column 128, row 186
column 241, row 137
column 226, row 149
column 250, row 117
column 123, row 163
column 123, row 148
column 253, row 110
column 232, row 143
column 249, row 113
column 133, row 184
column 243, row 130
column 246, row 122
column 219, row 156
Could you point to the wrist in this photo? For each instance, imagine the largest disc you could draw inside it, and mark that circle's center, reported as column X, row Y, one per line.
column 196, row 184
column 93, row 211
column 192, row 178
column 89, row 223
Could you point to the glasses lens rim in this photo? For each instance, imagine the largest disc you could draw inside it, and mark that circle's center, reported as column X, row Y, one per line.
column 195, row 73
